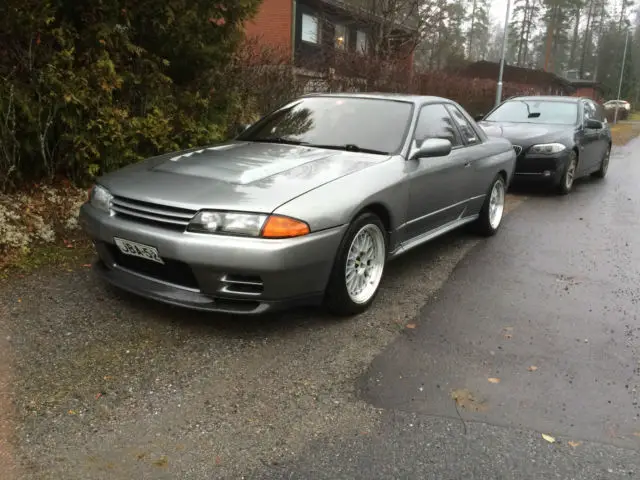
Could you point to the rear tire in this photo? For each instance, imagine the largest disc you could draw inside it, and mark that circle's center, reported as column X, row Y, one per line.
column 569, row 175
column 492, row 212
column 358, row 267
column 604, row 165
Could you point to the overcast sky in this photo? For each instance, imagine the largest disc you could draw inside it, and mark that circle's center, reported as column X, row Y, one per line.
column 499, row 10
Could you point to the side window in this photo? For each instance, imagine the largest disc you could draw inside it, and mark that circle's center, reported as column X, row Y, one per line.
column 589, row 110
column 434, row 121
column 467, row 131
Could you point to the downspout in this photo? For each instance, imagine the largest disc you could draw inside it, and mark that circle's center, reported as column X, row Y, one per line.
column 294, row 4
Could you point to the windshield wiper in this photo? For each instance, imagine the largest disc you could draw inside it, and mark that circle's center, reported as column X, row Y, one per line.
column 349, row 147
column 285, row 141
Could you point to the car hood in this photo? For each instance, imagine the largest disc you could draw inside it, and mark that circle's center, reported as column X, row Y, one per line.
column 527, row 134
column 244, row 176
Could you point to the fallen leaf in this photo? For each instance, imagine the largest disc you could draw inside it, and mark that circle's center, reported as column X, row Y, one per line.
column 411, row 325
column 532, row 368
column 507, row 336
column 19, row 300
column 72, row 412
column 494, row 380
column 574, row 444
column 548, row 438
column 87, row 265
column 636, row 434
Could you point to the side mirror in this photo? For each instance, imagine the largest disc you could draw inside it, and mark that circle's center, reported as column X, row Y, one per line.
column 593, row 124
column 433, row 147
column 479, row 118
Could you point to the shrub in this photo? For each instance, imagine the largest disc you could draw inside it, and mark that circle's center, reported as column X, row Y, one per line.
column 86, row 87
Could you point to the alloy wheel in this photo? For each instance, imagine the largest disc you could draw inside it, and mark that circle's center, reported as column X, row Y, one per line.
column 496, row 204
column 365, row 264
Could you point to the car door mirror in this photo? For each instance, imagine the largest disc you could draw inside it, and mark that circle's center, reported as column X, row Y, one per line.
column 479, row 118
column 593, row 124
column 434, row 147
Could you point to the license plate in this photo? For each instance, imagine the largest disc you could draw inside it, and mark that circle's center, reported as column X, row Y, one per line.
column 138, row 250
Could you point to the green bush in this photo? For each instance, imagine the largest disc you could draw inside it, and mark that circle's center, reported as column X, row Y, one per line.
column 86, row 87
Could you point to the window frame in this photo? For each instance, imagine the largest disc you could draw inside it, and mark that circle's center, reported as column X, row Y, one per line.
column 366, row 42
column 412, row 138
column 345, row 43
column 478, row 137
column 316, row 19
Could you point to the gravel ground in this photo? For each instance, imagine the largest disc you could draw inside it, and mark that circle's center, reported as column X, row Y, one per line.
column 106, row 385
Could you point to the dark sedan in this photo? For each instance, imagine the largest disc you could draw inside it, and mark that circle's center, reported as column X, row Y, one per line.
column 557, row 139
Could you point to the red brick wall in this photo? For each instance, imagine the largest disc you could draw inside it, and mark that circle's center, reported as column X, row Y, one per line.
column 588, row 92
column 272, row 24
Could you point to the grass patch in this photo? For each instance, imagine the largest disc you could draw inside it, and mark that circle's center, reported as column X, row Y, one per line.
column 68, row 254
column 623, row 133
column 635, row 117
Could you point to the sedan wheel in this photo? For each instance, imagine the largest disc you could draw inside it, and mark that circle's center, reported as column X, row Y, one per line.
column 492, row 211
column 569, row 176
column 358, row 268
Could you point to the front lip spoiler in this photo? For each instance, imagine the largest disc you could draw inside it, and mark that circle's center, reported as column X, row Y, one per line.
column 192, row 299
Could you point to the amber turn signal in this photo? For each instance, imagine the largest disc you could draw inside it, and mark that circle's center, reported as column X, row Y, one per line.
column 278, row 226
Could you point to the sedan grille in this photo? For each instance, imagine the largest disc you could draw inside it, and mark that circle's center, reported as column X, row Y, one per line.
column 518, row 149
column 171, row 217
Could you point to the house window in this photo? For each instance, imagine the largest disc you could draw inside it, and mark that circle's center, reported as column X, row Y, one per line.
column 340, row 36
column 310, row 28
column 361, row 41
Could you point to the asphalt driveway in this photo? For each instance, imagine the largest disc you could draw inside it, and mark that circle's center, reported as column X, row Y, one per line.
column 105, row 385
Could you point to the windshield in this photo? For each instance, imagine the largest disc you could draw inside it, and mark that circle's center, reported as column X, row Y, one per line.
column 356, row 124
column 533, row 111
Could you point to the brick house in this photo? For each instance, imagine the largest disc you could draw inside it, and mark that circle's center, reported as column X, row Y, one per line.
column 318, row 35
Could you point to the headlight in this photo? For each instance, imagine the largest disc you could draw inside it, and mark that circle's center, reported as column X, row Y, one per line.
column 247, row 224
column 547, row 149
column 100, row 198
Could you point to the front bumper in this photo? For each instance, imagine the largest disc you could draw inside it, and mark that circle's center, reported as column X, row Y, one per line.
column 213, row 272
column 543, row 168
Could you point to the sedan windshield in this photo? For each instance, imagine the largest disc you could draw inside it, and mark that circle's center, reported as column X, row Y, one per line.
column 353, row 124
column 534, row 111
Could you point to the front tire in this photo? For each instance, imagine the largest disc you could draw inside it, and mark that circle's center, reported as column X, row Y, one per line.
column 569, row 175
column 490, row 219
column 604, row 165
column 358, row 267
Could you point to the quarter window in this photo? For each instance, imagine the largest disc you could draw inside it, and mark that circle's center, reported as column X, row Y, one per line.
column 434, row 121
column 310, row 30
column 468, row 133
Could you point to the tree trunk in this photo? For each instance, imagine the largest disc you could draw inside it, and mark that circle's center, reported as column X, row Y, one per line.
column 587, row 39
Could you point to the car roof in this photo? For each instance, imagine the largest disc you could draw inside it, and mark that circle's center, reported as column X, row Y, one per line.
column 404, row 97
column 550, row 98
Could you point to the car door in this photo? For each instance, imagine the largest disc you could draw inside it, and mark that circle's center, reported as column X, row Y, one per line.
column 590, row 141
column 480, row 171
column 436, row 194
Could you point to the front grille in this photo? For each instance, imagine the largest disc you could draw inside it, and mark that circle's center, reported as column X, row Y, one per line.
column 173, row 271
column 170, row 217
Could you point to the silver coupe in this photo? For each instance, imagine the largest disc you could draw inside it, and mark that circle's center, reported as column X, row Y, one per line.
column 304, row 207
